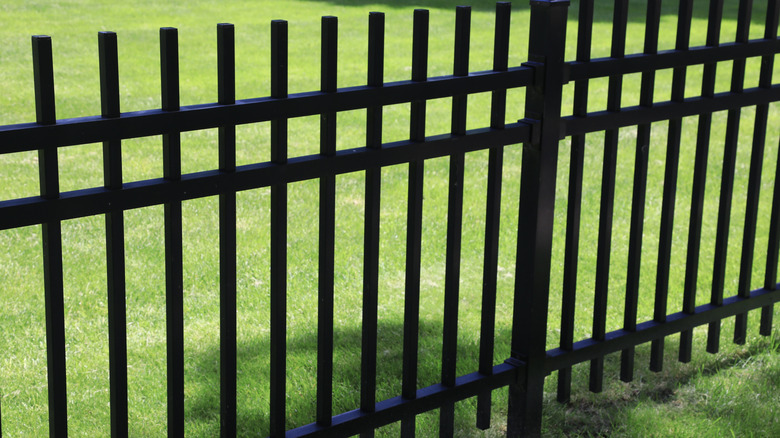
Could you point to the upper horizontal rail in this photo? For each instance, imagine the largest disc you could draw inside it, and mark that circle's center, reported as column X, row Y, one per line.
column 641, row 62
column 638, row 115
column 94, row 129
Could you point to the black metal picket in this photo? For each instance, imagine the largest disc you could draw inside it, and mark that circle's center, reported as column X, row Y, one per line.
column 540, row 131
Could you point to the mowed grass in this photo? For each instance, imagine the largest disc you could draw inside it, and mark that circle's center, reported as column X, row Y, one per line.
column 733, row 392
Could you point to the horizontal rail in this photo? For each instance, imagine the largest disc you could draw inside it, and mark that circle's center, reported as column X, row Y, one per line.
column 618, row 340
column 642, row 62
column 429, row 398
column 639, row 115
column 87, row 202
column 94, row 129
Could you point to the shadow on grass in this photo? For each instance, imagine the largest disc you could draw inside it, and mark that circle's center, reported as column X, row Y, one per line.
column 708, row 395
column 602, row 9
column 202, row 402
column 477, row 5
column 711, row 389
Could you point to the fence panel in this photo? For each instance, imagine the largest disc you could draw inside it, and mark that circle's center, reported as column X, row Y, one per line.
column 541, row 131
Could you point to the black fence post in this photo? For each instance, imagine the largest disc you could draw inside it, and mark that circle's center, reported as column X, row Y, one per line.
column 535, row 224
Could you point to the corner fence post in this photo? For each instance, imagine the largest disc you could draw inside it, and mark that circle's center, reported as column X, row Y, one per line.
column 535, row 224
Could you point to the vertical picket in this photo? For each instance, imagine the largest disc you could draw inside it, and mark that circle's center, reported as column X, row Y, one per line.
column 770, row 280
column 639, row 192
column 727, row 184
column 373, row 184
column 454, row 224
column 226, row 80
column 45, row 114
column 414, row 223
column 278, row 266
column 493, row 214
column 619, row 23
column 756, row 165
column 773, row 245
column 327, row 225
column 115, row 239
column 576, row 164
column 174, row 274
column 699, row 182
column 684, row 15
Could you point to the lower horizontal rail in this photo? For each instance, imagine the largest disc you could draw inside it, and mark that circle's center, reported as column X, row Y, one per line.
column 88, row 202
column 618, row 340
column 394, row 409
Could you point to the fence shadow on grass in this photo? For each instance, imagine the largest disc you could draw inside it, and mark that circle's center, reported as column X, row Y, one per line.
column 701, row 394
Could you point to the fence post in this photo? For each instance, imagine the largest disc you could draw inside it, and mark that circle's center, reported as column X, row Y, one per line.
column 535, row 224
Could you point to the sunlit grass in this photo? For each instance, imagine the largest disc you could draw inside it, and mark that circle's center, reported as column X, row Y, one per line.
column 705, row 387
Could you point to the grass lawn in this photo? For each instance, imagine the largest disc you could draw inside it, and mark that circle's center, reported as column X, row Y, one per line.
column 732, row 392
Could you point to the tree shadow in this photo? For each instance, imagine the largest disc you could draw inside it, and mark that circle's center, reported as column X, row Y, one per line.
column 603, row 10
column 477, row 5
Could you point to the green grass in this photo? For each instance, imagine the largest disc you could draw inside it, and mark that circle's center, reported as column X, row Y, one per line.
column 733, row 392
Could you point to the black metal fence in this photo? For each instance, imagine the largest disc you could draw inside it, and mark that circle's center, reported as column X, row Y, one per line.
column 541, row 132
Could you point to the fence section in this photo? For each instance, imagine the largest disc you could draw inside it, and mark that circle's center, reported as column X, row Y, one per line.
column 541, row 133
